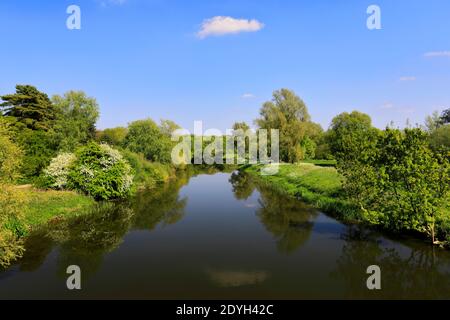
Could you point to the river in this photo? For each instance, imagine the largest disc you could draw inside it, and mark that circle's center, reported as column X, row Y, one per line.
column 221, row 236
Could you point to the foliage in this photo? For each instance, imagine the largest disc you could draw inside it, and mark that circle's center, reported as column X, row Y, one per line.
column 76, row 118
column 101, row 172
column 147, row 174
column 145, row 137
column 39, row 147
column 399, row 181
column 32, row 108
column 350, row 133
column 241, row 126
column 58, row 171
column 43, row 206
column 11, row 224
column 10, row 155
column 445, row 116
column 289, row 114
column 440, row 138
column 167, row 127
column 433, row 121
column 113, row 136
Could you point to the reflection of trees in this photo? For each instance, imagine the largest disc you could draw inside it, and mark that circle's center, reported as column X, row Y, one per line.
column 288, row 219
column 242, row 184
column 160, row 205
column 419, row 273
column 85, row 239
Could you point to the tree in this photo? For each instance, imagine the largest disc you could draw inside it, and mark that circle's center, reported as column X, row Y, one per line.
column 32, row 108
column 440, row 138
column 348, row 134
column 97, row 170
column 289, row 114
column 241, row 126
column 10, row 155
column 114, row 136
column 353, row 142
column 77, row 115
column 144, row 136
column 397, row 180
column 445, row 117
column 167, row 127
column 433, row 122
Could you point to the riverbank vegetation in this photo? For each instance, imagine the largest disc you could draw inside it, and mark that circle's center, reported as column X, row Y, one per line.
column 397, row 179
column 54, row 162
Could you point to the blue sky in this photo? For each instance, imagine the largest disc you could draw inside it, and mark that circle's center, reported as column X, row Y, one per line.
column 144, row 58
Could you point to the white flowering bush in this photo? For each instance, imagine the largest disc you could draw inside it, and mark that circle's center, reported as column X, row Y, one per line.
column 101, row 172
column 58, row 171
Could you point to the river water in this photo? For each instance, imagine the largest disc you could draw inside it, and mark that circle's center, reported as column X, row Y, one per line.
column 221, row 236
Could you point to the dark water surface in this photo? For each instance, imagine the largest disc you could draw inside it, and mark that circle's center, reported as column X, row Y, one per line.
column 221, row 236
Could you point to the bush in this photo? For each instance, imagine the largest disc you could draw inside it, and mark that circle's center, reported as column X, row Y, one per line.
column 57, row 172
column 101, row 172
column 40, row 147
column 10, row 156
column 147, row 174
column 144, row 136
column 11, row 224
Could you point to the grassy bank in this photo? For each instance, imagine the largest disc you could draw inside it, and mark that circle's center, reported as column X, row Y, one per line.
column 43, row 206
column 321, row 187
column 317, row 185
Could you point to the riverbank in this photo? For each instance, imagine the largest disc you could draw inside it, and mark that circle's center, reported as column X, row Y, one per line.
column 316, row 185
column 321, row 186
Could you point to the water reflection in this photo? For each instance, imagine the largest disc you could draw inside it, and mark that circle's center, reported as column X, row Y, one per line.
column 414, row 272
column 288, row 220
column 225, row 252
column 86, row 239
column 231, row 278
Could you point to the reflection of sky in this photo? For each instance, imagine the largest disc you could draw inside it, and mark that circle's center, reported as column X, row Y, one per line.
column 230, row 278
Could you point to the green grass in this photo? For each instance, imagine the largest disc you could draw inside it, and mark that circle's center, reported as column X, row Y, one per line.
column 321, row 163
column 42, row 206
column 316, row 185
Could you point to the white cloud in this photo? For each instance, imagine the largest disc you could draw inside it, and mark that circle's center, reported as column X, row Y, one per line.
column 248, row 96
column 433, row 54
column 219, row 25
column 408, row 78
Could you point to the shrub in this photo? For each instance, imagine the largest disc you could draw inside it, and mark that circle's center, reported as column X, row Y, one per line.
column 11, row 224
column 147, row 174
column 101, row 172
column 58, row 171
column 144, row 136
column 10, row 156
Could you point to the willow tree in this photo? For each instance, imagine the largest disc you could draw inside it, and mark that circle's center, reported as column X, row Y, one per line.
column 289, row 114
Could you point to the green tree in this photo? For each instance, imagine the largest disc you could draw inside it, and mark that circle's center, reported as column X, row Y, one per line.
column 445, row 117
column 398, row 181
column 289, row 114
column 114, row 136
column 440, row 138
column 349, row 133
column 77, row 115
column 101, row 172
column 167, row 127
column 10, row 155
column 241, row 126
column 144, row 136
column 32, row 108
column 433, row 121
